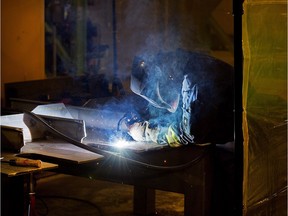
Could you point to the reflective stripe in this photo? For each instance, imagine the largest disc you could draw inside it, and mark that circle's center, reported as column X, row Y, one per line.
column 172, row 138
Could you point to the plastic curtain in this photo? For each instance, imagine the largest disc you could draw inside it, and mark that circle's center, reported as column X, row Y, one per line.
column 265, row 107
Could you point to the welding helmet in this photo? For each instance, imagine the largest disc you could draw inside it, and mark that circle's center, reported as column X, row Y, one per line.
column 201, row 84
column 158, row 78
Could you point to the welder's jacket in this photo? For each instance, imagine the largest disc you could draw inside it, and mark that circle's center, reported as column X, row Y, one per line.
column 204, row 112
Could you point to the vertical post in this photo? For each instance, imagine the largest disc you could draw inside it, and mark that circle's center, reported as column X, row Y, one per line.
column 32, row 201
column 117, row 88
column 199, row 191
column 81, row 32
column 114, row 31
column 144, row 201
column 54, row 51
column 238, row 65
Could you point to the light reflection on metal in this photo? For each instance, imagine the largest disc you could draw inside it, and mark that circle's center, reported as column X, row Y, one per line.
column 121, row 143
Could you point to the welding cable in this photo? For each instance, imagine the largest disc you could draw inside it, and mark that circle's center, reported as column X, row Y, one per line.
column 42, row 197
column 44, row 205
column 120, row 122
column 109, row 153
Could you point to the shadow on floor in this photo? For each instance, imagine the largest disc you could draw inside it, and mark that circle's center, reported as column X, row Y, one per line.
column 64, row 195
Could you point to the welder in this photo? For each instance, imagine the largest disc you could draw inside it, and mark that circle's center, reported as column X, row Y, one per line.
column 191, row 98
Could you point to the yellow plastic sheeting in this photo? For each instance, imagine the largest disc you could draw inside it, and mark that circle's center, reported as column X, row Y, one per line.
column 265, row 107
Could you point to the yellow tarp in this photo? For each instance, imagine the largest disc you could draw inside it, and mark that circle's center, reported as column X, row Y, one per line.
column 265, row 107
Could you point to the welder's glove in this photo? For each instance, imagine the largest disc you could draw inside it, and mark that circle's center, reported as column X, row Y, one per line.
column 141, row 131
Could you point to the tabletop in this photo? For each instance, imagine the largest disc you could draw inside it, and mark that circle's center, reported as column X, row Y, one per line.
column 11, row 170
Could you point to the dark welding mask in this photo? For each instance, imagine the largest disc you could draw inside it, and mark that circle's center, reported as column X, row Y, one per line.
column 158, row 80
column 204, row 84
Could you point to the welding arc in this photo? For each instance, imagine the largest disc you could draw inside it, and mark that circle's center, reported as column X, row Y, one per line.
column 108, row 153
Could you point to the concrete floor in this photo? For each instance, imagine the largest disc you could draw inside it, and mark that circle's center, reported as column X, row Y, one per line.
column 65, row 195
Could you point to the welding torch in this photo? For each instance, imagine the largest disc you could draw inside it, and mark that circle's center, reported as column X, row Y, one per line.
column 129, row 119
column 24, row 162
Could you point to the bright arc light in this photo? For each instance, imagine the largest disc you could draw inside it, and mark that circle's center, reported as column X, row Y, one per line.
column 121, row 143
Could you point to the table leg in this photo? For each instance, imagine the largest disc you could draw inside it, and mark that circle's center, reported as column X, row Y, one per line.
column 12, row 195
column 32, row 202
column 144, row 201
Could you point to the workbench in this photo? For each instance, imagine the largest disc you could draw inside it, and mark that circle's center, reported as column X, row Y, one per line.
column 191, row 175
column 187, row 170
column 13, row 180
column 193, row 180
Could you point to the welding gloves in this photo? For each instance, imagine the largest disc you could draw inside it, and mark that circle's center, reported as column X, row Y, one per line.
column 141, row 131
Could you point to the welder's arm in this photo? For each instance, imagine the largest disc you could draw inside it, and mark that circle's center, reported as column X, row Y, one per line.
column 141, row 131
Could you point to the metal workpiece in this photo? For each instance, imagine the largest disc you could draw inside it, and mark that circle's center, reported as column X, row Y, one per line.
column 11, row 138
column 73, row 128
